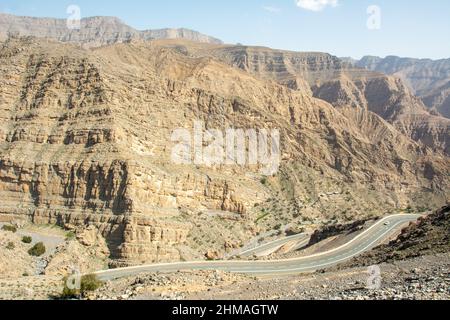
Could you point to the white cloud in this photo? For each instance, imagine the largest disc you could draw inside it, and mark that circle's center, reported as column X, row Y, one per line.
column 316, row 5
column 272, row 9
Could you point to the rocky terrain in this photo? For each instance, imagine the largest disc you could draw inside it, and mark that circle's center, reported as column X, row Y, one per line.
column 23, row 276
column 358, row 93
column 87, row 118
column 423, row 278
column 414, row 266
column 428, row 79
column 438, row 99
column 92, row 31
column 85, row 140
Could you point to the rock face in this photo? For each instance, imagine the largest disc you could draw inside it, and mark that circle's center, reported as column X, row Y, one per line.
column 429, row 79
column 93, row 31
column 85, row 140
column 356, row 90
column 439, row 99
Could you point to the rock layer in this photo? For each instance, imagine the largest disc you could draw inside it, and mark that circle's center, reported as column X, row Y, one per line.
column 86, row 141
column 339, row 83
column 92, row 31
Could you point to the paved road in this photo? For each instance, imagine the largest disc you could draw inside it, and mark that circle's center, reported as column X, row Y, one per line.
column 367, row 240
column 297, row 241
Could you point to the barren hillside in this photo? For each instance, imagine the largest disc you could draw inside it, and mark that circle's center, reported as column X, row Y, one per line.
column 92, row 31
column 354, row 91
column 85, row 139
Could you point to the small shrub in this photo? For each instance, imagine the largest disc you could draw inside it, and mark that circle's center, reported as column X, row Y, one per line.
column 70, row 235
column 27, row 240
column 11, row 246
column 9, row 228
column 263, row 181
column 90, row 282
column 69, row 293
column 37, row 250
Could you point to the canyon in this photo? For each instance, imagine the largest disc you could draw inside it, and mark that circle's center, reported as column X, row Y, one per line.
column 86, row 126
column 428, row 79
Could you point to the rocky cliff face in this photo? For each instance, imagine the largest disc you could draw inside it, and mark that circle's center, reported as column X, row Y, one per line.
column 439, row 100
column 429, row 79
column 85, row 140
column 93, row 31
column 339, row 83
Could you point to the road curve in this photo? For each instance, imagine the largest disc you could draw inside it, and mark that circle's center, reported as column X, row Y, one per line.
column 367, row 240
column 266, row 249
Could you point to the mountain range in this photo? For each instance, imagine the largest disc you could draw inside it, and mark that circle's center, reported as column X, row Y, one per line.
column 87, row 119
column 92, row 32
column 428, row 79
column 351, row 89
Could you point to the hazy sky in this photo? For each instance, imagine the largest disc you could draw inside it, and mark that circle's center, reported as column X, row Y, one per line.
column 414, row 28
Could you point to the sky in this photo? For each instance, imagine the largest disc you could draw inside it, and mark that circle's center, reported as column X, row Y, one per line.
column 345, row 28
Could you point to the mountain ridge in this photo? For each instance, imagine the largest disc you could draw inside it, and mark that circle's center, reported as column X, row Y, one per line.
column 428, row 79
column 330, row 79
column 85, row 140
column 94, row 31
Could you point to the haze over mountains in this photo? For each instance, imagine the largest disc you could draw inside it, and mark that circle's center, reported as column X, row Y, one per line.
column 94, row 31
column 428, row 79
column 85, row 138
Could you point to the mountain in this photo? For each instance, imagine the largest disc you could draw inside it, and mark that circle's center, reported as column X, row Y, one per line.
column 428, row 79
column 355, row 91
column 86, row 140
column 93, row 32
column 439, row 99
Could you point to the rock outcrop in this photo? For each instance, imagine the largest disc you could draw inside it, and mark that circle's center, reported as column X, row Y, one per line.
column 86, row 141
column 428, row 79
column 439, row 99
column 91, row 32
column 339, row 83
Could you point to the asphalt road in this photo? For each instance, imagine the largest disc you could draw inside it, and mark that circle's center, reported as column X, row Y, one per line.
column 372, row 237
column 298, row 241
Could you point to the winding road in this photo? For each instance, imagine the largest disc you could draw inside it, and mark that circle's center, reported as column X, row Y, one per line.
column 297, row 241
column 367, row 240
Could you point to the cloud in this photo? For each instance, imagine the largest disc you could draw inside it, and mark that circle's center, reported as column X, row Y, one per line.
column 316, row 5
column 272, row 9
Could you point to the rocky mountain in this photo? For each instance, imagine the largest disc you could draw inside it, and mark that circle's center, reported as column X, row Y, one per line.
column 357, row 92
column 85, row 140
column 439, row 99
column 428, row 79
column 93, row 31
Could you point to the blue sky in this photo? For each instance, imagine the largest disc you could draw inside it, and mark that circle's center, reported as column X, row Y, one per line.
column 413, row 28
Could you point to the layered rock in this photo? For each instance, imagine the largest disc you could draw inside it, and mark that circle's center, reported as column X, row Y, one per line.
column 86, row 141
column 338, row 83
column 428, row 79
column 422, row 75
column 91, row 32
column 439, row 100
